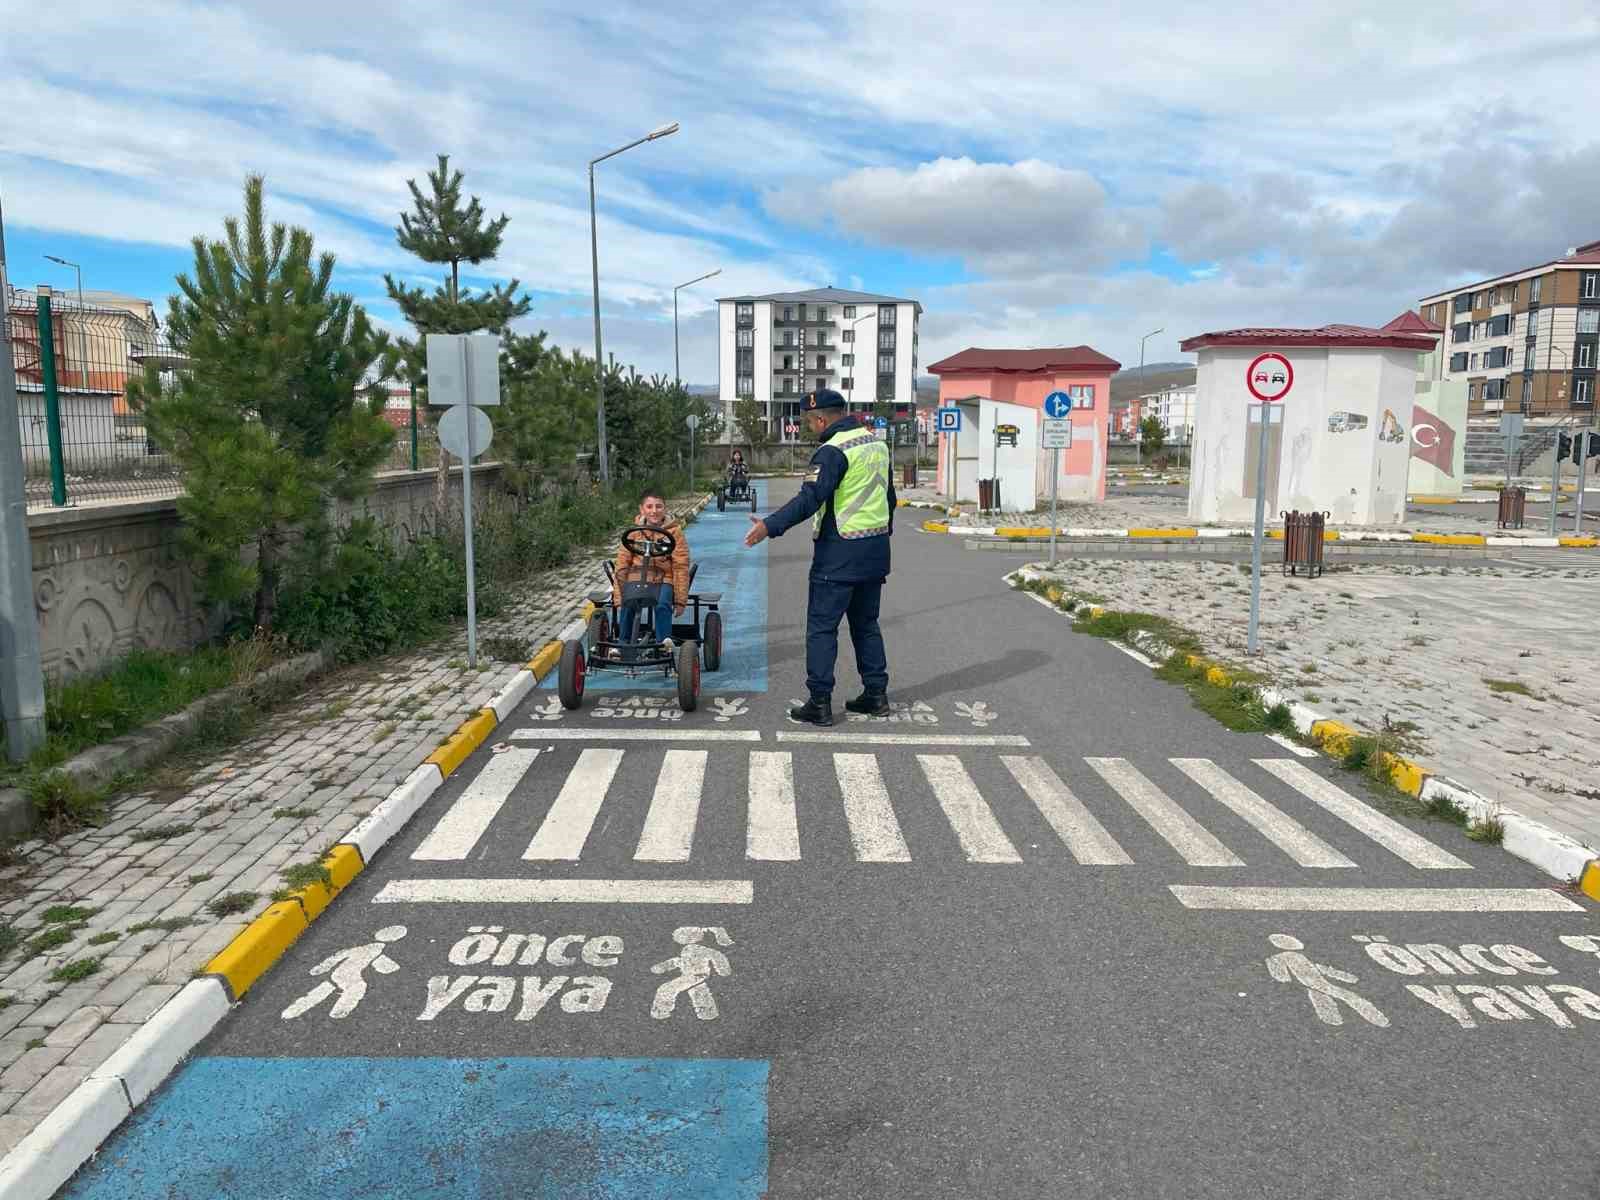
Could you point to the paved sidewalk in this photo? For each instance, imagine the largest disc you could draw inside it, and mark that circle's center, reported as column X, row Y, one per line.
column 1490, row 665
column 113, row 921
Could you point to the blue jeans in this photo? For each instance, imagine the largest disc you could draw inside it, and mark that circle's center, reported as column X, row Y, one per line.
column 663, row 614
column 826, row 604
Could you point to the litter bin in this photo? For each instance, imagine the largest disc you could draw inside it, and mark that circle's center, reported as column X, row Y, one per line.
column 989, row 495
column 1513, row 500
column 1303, row 536
column 908, row 475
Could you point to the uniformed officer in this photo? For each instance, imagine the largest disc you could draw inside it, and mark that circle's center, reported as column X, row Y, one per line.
column 849, row 495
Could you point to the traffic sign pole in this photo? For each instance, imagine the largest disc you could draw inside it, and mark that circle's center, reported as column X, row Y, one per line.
column 466, row 521
column 1555, row 488
column 1582, row 454
column 1055, row 476
column 1277, row 373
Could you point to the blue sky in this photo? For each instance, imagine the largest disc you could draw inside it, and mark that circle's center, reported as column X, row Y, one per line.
column 1038, row 174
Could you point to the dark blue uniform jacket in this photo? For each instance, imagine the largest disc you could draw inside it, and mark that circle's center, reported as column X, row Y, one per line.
column 835, row 559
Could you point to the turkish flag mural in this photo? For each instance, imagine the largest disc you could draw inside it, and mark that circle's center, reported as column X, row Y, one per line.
column 1433, row 440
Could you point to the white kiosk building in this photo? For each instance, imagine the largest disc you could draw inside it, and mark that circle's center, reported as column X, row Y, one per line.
column 1342, row 445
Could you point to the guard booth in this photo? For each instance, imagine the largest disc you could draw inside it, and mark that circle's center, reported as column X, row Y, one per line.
column 997, row 441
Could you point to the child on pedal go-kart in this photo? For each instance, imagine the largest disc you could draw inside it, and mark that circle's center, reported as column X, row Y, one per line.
column 669, row 577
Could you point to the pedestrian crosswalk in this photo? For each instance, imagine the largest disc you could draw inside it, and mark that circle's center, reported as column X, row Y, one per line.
column 987, row 810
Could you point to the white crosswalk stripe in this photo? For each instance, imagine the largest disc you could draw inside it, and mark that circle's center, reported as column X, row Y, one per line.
column 979, row 833
column 566, row 826
column 773, row 834
column 1298, row 842
column 669, row 825
column 873, row 828
column 979, row 805
column 470, row 816
column 1181, row 831
column 1390, row 834
column 1074, row 824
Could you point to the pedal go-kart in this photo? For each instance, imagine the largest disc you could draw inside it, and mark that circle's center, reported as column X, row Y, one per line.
column 601, row 648
column 736, row 489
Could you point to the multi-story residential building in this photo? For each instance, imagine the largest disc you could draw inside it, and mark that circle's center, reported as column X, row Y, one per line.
column 1174, row 408
column 774, row 349
column 1524, row 341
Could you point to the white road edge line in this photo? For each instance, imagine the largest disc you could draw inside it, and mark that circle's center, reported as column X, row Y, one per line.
column 566, row 891
column 1331, row 899
column 1292, row 746
column 850, row 738
column 544, row 733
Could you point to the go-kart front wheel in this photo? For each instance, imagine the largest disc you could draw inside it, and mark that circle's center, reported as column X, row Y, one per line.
column 599, row 630
column 713, row 641
column 569, row 677
column 722, row 502
column 688, row 669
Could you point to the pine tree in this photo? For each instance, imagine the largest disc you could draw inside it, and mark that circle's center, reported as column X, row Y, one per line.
column 270, row 422
column 440, row 229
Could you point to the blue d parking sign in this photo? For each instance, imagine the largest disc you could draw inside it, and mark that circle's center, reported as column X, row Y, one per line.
column 1057, row 405
column 948, row 420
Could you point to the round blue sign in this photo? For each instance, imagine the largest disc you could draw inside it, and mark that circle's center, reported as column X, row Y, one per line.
column 880, row 422
column 1057, row 405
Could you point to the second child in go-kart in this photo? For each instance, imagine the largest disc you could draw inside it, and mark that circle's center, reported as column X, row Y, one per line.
column 669, row 577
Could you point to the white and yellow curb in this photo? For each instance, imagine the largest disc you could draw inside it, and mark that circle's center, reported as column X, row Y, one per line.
column 1552, row 852
column 1192, row 533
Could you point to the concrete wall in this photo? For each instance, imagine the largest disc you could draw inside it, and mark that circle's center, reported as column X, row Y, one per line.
column 110, row 578
column 1344, row 445
column 1438, row 438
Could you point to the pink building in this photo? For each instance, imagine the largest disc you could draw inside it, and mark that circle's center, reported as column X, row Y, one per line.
column 1025, row 378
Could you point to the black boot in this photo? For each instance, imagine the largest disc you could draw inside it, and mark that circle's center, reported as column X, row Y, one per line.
column 815, row 711
column 871, row 704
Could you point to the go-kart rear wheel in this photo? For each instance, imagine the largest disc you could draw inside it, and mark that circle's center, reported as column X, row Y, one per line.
column 713, row 641
column 752, row 501
column 688, row 667
column 722, row 502
column 569, row 679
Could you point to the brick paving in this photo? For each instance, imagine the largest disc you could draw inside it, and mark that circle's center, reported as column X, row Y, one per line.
column 310, row 772
column 1421, row 644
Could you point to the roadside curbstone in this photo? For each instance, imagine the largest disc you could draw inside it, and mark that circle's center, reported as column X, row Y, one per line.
column 1197, row 533
column 47, row 1157
column 1553, row 852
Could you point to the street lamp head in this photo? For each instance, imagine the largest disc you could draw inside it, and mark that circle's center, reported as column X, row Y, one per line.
column 62, row 261
column 662, row 132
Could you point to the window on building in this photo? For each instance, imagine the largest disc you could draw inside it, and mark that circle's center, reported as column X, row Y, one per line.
column 885, row 387
column 788, row 337
column 746, row 385
column 1527, row 393
column 1534, row 286
column 788, row 386
column 1515, row 288
column 822, row 313
column 886, row 314
column 1458, row 362
column 788, row 362
column 885, row 339
column 744, row 314
column 745, row 337
column 822, row 363
column 1499, row 326
column 802, row 312
column 788, row 312
column 1082, row 395
column 1461, row 332
column 849, row 311
column 1591, row 285
column 848, row 383
column 1463, row 302
column 1589, row 320
column 885, row 364
column 1583, row 394
column 1498, row 357
column 1585, row 354
column 821, row 383
column 849, row 335
column 1472, row 364
column 847, row 360
column 1494, row 389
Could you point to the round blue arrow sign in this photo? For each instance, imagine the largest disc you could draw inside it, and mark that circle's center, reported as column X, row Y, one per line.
column 1057, row 405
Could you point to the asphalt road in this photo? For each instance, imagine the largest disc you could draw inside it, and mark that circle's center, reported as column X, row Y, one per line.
column 955, row 966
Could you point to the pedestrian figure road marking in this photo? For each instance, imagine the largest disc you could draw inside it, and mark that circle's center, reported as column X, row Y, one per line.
column 729, row 709
column 697, row 964
column 348, row 975
column 1291, row 966
column 978, row 713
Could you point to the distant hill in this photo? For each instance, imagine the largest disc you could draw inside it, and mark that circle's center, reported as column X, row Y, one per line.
column 1157, row 376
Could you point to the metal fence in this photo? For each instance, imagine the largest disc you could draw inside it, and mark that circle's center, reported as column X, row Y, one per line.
column 82, row 440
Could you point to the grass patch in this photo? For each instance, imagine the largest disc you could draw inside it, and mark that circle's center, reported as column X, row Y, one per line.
column 298, row 814
column 75, row 971
column 104, row 939
column 162, row 833
column 1236, row 706
column 506, row 649
column 1123, row 626
column 1510, row 685
column 1491, row 831
column 194, row 879
column 51, row 939
column 232, row 904
column 65, row 914
column 169, row 925
column 384, row 732
column 33, row 1044
column 10, row 939
column 302, row 875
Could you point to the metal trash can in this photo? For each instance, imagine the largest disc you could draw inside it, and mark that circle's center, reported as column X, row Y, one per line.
column 1303, row 537
column 989, row 495
column 908, row 475
column 1513, row 502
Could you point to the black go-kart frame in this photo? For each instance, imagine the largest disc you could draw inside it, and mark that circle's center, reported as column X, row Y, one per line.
column 736, row 489
column 696, row 639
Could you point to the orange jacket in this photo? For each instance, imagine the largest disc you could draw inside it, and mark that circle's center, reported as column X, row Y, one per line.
column 660, row 570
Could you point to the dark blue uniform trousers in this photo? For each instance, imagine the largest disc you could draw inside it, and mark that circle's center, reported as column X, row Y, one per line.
column 825, row 605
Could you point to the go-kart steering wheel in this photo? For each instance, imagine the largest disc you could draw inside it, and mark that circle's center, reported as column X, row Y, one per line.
column 648, row 541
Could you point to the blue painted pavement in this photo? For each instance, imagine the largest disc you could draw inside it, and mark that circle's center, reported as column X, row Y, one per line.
column 716, row 542
column 543, row 1128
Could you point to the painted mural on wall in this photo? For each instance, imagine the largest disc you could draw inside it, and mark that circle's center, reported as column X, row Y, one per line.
column 1391, row 430
column 1433, row 441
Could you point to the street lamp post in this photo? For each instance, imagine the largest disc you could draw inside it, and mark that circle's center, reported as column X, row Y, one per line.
column 676, row 377
column 1138, row 444
column 594, row 262
column 855, row 353
column 83, row 336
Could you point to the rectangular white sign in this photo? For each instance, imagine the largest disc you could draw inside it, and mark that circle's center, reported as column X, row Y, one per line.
column 459, row 361
column 1057, row 434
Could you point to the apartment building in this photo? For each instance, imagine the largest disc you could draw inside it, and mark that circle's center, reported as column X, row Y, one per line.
column 774, row 349
column 1525, row 341
column 1174, row 408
